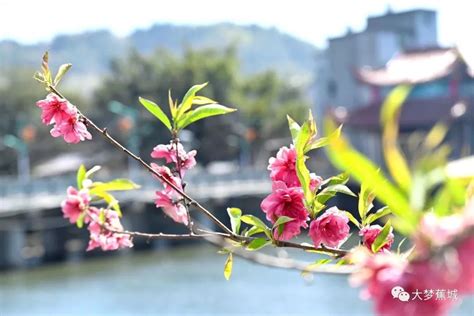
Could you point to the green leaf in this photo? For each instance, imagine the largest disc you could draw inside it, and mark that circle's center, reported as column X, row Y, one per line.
column 255, row 221
column 344, row 157
column 339, row 188
column 109, row 199
column 384, row 211
column 80, row 220
column 201, row 100
column 366, row 197
column 228, row 267
column 234, row 215
column 394, row 158
column 399, row 247
column 203, row 112
column 294, row 128
column 81, row 175
column 436, row 136
column 253, row 230
column 172, row 104
column 91, row 171
column 341, row 178
column 45, row 69
column 102, row 217
column 63, row 69
column 306, row 133
column 381, row 239
column 258, row 243
column 282, row 220
column 352, row 219
column 155, row 109
column 280, row 223
column 114, row 185
column 188, row 100
column 323, row 141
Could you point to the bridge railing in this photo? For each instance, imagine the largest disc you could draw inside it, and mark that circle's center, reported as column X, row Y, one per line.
column 10, row 187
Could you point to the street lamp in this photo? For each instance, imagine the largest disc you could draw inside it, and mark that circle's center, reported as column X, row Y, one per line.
column 20, row 145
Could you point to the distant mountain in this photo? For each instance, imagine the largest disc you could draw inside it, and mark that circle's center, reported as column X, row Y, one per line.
column 91, row 52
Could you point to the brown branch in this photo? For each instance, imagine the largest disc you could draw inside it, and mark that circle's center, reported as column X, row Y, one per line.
column 283, row 263
column 338, row 253
column 221, row 240
column 113, row 141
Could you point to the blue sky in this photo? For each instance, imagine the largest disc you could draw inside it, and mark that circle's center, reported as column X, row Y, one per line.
column 310, row 20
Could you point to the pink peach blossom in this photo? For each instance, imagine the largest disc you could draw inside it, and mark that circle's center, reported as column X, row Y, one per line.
column 170, row 203
column 55, row 109
column 283, row 167
column 103, row 238
column 165, row 173
column 330, row 229
column 286, row 201
column 72, row 130
column 315, row 182
column 168, row 152
column 76, row 203
column 370, row 233
column 381, row 272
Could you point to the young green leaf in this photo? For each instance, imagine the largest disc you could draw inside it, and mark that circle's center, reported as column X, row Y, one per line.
column 188, row 100
column 234, row 215
column 343, row 156
column 228, row 267
column 80, row 220
column 45, row 69
column 384, row 211
column 81, row 175
column 258, row 243
column 63, row 69
column 366, row 197
column 394, row 158
column 381, row 239
column 352, row 219
column 114, row 185
column 155, row 109
column 339, row 188
column 341, row 178
column 323, row 141
column 202, row 100
column 253, row 230
column 282, row 220
column 294, row 128
column 253, row 220
column 109, row 199
column 203, row 112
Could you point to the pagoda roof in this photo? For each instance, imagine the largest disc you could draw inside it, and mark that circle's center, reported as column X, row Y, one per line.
column 413, row 67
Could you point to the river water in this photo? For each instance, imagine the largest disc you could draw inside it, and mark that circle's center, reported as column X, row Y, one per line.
column 183, row 281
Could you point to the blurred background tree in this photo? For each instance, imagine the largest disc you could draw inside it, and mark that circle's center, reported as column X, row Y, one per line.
column 262, row 100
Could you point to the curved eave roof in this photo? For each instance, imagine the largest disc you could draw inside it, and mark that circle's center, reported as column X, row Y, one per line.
column 412, row 68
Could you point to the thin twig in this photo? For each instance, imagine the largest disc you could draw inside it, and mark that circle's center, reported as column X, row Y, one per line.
column 191, row 202
column 113, row 141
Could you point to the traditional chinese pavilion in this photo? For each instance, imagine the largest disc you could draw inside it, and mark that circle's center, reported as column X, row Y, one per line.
column 443, row 90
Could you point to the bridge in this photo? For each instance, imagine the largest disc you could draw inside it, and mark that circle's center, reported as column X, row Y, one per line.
column 46, row 193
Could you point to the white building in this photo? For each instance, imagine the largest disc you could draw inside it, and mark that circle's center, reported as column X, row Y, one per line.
column 384, row 36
